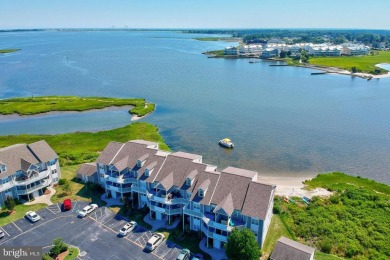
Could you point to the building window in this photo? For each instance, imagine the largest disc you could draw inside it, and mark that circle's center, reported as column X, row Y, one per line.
column 200, row 193
column 255, row 221
column 3, row 168
column 188, row 182
column 53, row 171
column 196, row 206
column 5, row 180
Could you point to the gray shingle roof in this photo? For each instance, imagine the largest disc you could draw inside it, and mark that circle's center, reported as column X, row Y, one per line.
column 187, row 155
column 25, row 165
column 226, row 205
column 176, row 165
column 201, row 178
column 167, row 182
column 11, row 157
column 122, row 164
column 108, row 154
column 241, row 172
column 134, row 151
column 87, row 169
column 43, row 151
column 258, row 199
column 287, row 249
column 237, row 185
column 153, row 162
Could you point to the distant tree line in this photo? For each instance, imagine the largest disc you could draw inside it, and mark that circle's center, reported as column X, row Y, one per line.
column 373, row 38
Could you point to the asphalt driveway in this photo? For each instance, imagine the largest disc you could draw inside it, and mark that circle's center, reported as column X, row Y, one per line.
column 95, row 235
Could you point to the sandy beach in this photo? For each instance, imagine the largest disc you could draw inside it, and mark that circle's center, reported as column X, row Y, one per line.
column 292, row 185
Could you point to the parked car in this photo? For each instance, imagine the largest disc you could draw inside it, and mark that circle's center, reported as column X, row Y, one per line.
column 127, row 228
column 154, row 241
column 184, row 254
column 87, row 210
column 67, row 204
column 32, row 216
column 2, row 234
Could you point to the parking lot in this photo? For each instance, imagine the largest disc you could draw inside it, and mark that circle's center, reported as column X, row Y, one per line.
column 96, row 235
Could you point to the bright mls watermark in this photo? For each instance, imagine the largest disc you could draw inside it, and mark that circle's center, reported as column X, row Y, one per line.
column 21, row 252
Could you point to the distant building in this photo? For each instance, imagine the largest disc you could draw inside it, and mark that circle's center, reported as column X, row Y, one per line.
column 231, row 51
column 327, row 50
column 269, row 53
column 250, row 50
column 287, row 249
column 26, row 170
column 354, row 50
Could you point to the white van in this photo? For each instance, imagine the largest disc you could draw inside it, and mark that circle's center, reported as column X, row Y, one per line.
column 154, row 241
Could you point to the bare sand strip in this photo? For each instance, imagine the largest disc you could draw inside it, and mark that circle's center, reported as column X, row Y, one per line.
column 334, row 70
column 290, row 185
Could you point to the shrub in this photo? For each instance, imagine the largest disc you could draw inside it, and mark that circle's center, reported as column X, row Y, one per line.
column 58, row 248
column 326, row 246
column 10, row 203
column 62, row 181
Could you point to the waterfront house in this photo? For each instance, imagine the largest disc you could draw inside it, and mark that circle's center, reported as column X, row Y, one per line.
column 355, row 49
column 26, row 170
column 180, row 186
column 232, row 51
column 269, row 53
column 250, row 50
column 287, row 249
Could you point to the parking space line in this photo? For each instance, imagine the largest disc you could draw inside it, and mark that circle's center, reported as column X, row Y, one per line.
column 50, row 210
column 74, row 207
column 5, row 231
column 17, row 227
column 59, row 208
column 167, row 252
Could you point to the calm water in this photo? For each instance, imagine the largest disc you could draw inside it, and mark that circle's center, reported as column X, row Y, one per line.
column 282, row 119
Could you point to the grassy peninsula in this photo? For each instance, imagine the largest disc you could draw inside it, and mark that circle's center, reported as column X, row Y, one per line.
column 38, row 105
column 365, row 64
column 3, row 51
column 80, row 147
column 353, row 223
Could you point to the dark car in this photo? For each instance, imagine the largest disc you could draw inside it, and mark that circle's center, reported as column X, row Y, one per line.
column 2, row 234
column 67, row 204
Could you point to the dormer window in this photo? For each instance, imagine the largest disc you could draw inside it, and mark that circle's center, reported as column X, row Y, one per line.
column 3, row 168
column 139, row 163
column 201, row 193
column 188, row 182
column 148, row 172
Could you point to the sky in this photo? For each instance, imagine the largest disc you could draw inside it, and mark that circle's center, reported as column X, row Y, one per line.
column 27, row 14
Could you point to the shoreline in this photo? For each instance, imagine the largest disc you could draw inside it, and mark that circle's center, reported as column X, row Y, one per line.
column 289, row 184
column 334, row 70
column 111, row 108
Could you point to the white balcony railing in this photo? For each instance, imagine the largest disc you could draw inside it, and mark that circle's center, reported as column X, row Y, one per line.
column 192, row 213
column 35, row 188
column 214, row 224
column 36, row 177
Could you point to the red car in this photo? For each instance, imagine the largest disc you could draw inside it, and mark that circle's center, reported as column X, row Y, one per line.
column 67, row 204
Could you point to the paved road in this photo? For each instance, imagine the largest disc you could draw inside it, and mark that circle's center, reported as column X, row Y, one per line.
column 95, row 235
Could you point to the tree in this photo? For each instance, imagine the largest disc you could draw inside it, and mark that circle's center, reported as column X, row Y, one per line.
column 283, row 54
column 242, row 244
column 10, row 203
column 354, row 69
column 58, row 247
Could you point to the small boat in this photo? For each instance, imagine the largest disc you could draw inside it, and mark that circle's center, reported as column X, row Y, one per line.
column 226, row 142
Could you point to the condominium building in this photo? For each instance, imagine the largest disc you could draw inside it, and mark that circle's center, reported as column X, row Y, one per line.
column 250, row 50
column 26, row 170
column 231, row 51
column 269, row 53
column 354, row 50
column 179, row 185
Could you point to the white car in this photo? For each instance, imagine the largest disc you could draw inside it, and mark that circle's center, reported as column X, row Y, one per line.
column 32, row 216
column 154, row 241
column 88, row 209
column 127, row 228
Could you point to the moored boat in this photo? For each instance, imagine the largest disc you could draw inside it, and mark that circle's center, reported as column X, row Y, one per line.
column 226, row 142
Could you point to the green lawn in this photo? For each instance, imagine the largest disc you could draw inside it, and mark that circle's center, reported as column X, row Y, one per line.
column 362, row 63
column 78, row 190
column 37, row 105
column 73, row 253
column 19, row 212
column 217, row 53
column 275, row 231
column 340, row 181
column 80, row 147
column 8, row 50
column 322, row 256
